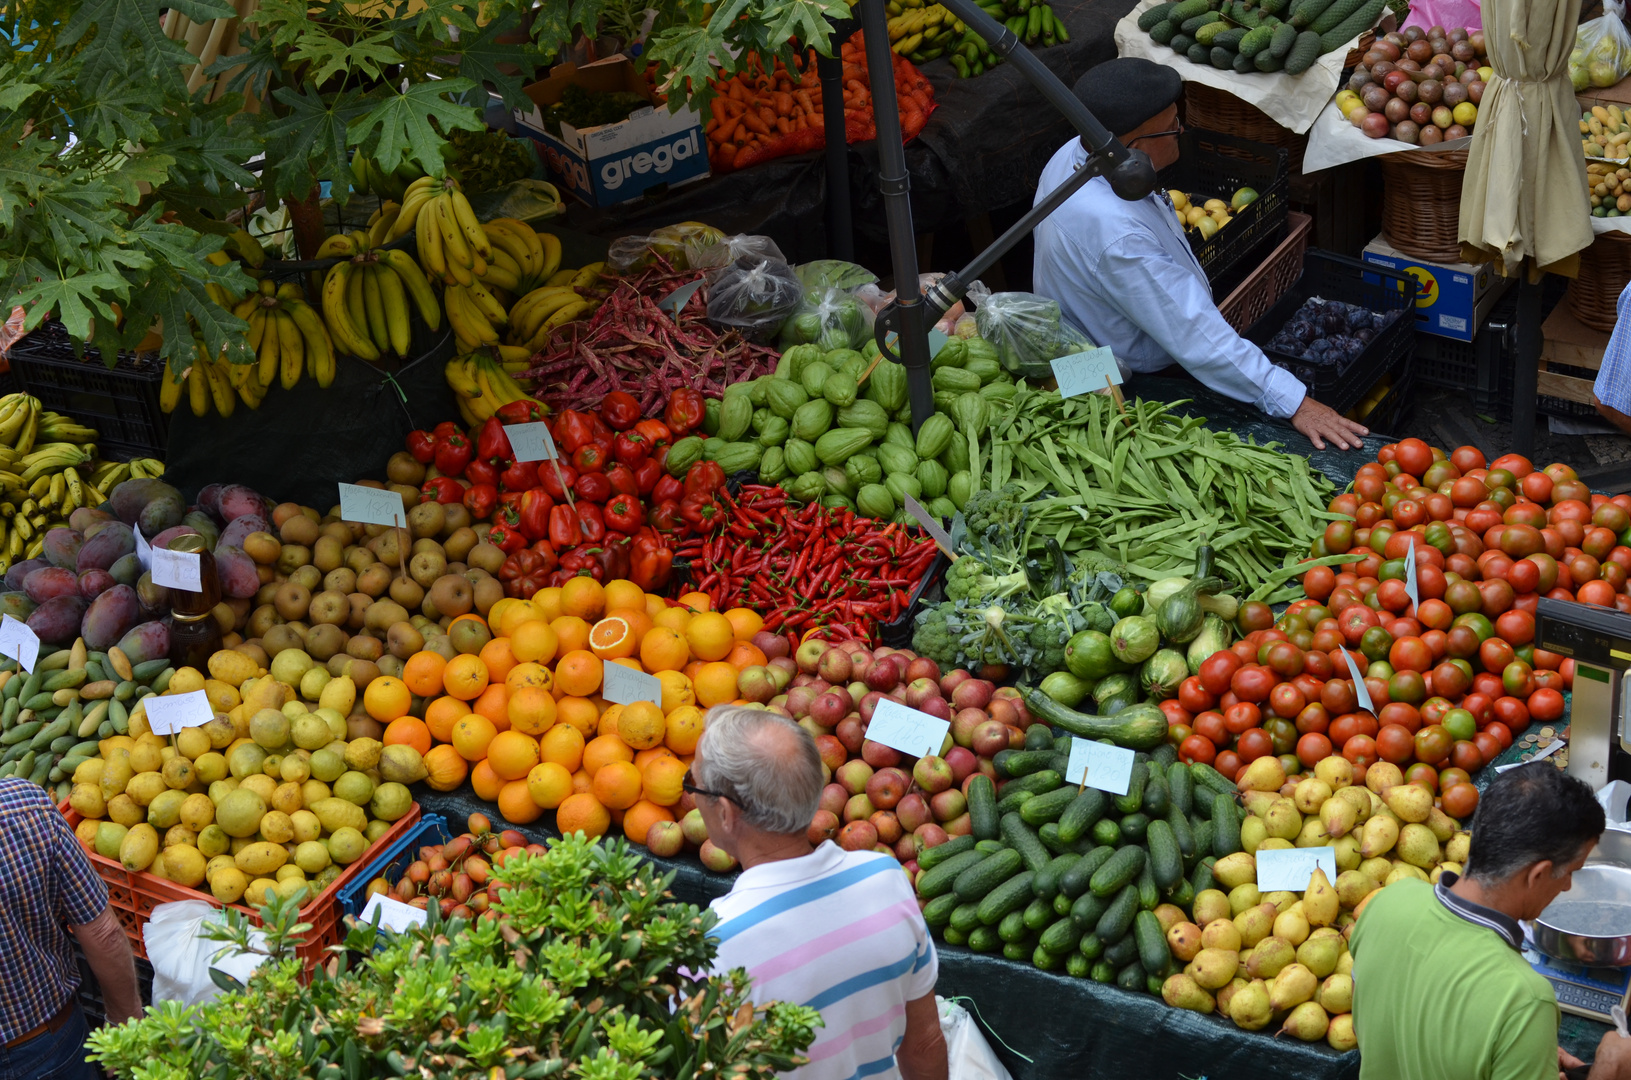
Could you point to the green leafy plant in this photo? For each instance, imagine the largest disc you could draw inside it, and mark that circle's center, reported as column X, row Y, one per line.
column 585, row 973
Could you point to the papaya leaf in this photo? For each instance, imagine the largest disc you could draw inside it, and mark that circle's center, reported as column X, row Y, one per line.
column 398, row 125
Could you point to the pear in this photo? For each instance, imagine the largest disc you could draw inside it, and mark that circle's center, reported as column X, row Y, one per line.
column 1442, row 825
column 1377, row 868
column 1294, row 985
column 1418, row 846
column 1184, row 939
column 1283, row 819
column 1320, row 902
column 1255, row 924
column 1241, row 898
column 1183, row 992
column 1336, row 994
column 1307, row 1022
column 1249, row 1007
column 1351, row 886
column 1221, row 934
column 1381, row 833
column 1336, row 770
column 1214, row 904
column 1404, row 871
column 1383, row 775
column 1338, row 816
column 1345, row 965
column 1236, row 869
column 1213, row 968
column 1280, row 899
column 1310, row 794
column 1274, row 843
column 1458, row 848
column 1292, row 925
column 1345, row 920
column 1412, row 802
column 1360, row 800
column 1258, row 802
column 1264, row 774
column 1320, row 954
column 1347, row 852
column 1313, row 834
column 1226, row 995
column 1252, row 834
column 1340, row 1035
column 1270, row 955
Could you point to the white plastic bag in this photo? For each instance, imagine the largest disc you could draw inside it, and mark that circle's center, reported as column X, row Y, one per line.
column 182, row 957
column 968, row 1055
column 1602, row 49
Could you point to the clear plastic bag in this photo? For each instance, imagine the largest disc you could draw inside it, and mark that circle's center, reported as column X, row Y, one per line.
column 831, row 318
column 833, row 274
column 677, row 243
column 1027, row 330
column 712, row 252
column 753, row 295
column 1602, row 49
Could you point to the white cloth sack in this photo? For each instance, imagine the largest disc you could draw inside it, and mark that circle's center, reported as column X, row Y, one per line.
column 182, row 959
column 1333, row 140
column 969, row 1056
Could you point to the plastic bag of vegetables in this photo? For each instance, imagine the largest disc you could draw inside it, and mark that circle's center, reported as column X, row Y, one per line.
column 1602, row 49
column 716, row 250
column 833, row 274
column 1027, row 330
column 754, row 295
column 675, row 243
column 829, row 317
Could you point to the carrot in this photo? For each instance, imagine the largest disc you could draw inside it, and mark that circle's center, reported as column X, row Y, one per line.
column 803, row 97
column 727, row 155
column 726, row 129
column 782, row 102
column 754, row 122
column 736, row 91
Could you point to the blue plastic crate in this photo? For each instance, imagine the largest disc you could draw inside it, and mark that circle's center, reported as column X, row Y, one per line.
column 432, row 829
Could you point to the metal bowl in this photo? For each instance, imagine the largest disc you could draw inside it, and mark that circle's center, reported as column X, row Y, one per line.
column 1598, row 882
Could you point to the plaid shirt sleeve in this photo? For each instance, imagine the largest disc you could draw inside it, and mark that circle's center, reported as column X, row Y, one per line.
column 1613, row 386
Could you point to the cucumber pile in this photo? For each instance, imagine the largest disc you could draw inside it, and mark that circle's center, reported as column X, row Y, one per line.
column 1271, row 35
column 1070, row 879
column 923, row 32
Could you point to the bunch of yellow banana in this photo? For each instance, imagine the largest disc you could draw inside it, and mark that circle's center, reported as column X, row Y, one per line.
column 368, row 178
column 285, row 333
column 365, row 297
column 248, row 251
column 475, row 314
column 522, row 259
column 536, row 315
column 208, row 381
column 453, row 247
column 481, row 385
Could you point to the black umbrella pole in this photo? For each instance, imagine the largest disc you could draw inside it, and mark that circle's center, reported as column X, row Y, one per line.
column 895, row 186
column 840, row 229
column 1524, row 379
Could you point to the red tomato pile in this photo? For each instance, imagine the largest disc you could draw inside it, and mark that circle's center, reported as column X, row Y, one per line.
column 1450, row 681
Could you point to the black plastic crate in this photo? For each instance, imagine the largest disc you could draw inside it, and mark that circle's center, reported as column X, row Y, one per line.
column 121, row 402
column 90, row 991
column 1214, row 165
column 898, row 634
column 1337, row 277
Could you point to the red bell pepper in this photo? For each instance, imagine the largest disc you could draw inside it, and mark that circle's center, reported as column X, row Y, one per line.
column 593, row 486
column 481, row 472
column 705, row 477
column 506, row 532
column 535, row 507
column 613, row 558
column 563, row 527
column 526, row 571
column 452, row 454
column 624, row 513
column 572, row 430
column 422, row 445
column 598, row 429
column 631, row 448
column 520, row 476
column 668, row 489
column 649, row 564
column 646, row 476
column 620, row 410
column 510, row 499
column 622, row 478
column 444, row 429
column 582, row 561
column 481, row 500
column 685, row 410
column 492, row 444
column 591, row 457
column 665, row 517
column 700, row 511
column 555, row 478
column 443, row 489
column 591, row 523
column 525, row 411
column 655, row 432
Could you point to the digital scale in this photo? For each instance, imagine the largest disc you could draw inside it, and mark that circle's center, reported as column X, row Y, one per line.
column 1583, row 991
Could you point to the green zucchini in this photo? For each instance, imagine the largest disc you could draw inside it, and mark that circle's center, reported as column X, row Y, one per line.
column 1016, row 763
column 1013, row 800
column 1164, row 755
column 1157, row 797
column 1133, row 978
column 1118, row 916
column 1166, row 861
column 984, row 939
column 989, row 847
column 1077, row 965
column 940, row 880
column 1225, row 826
column 1019, row 951
column 1084, row 810
column 982, row 808
column 1026, row 844
column 937, row 912
column 1102, row 972
column 1011, row 895
column 1090, row 946
column 965, row 917
column 1062, row 905
column 1122, row 952
column 933, row 857
column 1181, row 832
column 978, row 880
column 1149, row 893
column 1012, row 928
column 1049, row 834
column 1303, row 53
column 1037, row 783
column 1061, row 937
column 1134, row 826
column 1046, row 883
column 1182, row 894
column 1130, row 802
column 1200, row 878
column 1043, row 960
column 1037, row 915
column 1206, row 776
column 1045, row 808
column 1119, row 870
column 1180, row 786
column 1038, row 737
column 953, row 936
column 1074, row 881
column 1107, row 831
column 1203, row 830
column 1139, row 726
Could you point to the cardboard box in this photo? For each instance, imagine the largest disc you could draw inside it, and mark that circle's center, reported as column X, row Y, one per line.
column 615, row 163
column 1452, row 299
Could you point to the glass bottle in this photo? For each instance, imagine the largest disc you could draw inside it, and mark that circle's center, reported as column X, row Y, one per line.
column 195, row 635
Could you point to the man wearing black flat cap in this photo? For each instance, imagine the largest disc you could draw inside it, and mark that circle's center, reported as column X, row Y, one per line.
column 1124, row 272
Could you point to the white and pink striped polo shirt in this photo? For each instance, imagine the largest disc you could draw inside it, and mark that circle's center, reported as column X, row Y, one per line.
column 838, row 931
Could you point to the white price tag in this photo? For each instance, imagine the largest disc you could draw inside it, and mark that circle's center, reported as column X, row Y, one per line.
column 371, row 506
column 177, row 569
column 1361, row 691
column 531, row 442
column 1288, row 869
column 1085, row 372
column 1108, row 768
column 144, row 550
column 624, row 686
column 930, row 523
column 393, row 914
column 1410, row 574
column 913, row 733
column 675, row 301
column 169, row 713
column 19, row 642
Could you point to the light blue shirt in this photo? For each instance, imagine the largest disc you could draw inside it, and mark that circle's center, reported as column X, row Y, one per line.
column 1124, row 272
column 1613, row 386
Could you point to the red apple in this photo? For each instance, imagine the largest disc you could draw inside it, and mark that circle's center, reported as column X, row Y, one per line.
column 824, row 826
column 665, row 838
column 696, row 830
column 772, row 645
column 914, row 812
column 859, row 808
column 948, row 805
column 973, row 694
column 799, row 699
column 929, row 835
column 961, row 825
column 933, row 774
column 920, row 690
column 888, row 826
column 937, row 707
column 878, row 755
column 858, row 836
column 991, row 738
column 716, row 858
column 852, row 733
column 887, row 787
column 829, row 709
column 834, row 666
column 965, row 723
column 883, row 675
column 809, row 655
column 853, row 775
column 833, row 798
column 963, row 763
column 833, row 753
column 952, row 679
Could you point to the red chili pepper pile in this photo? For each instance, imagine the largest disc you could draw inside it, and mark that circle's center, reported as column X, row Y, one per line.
column 809, row 566
column 632, row 345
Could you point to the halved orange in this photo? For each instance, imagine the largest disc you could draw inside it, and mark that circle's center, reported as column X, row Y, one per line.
column 613, row 637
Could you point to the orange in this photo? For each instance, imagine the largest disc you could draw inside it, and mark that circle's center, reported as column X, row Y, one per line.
column 516, row 803
column 690, row 670
column 495, row 614
column 387, row 698
column 485, row 782
column 683, row 727
column 617, row 785
column 677, row 690
column 602, row 750
column 549, row 784
column 655, row 605
column 534, row 641
column 529, row 674
column 471, row 736
column 745, row 622
column 696, row 601
column 407, row 731
column 563, row 744
column 547, row 602
column 716, row 684
column 444, row 768
column 745, row 654
column 582, row 782
column 465, row 677
column 675, row 618
column 663, row 649
column 607, row 724
column 613, row 638
column 499, row 659
column 710, row 636
column 518, row 614
column 423, row 673
column 578, row 713
column 494, row 705
column 578, row 674
column 583, row 812
column 642, row 758
column 639, row 819
column 638, row 618
column 623, row 593
column 531, row 710
column 571, row 633
column 512, row 754
column 442, row 714
column 640, row 724
column 583, row 597
column 660, row 780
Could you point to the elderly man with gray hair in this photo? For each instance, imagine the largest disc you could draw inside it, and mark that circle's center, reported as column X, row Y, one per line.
column 838, row 931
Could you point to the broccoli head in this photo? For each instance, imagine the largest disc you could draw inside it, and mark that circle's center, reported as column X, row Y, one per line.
column 994, row 513
column 971, row 578
column 933, row 636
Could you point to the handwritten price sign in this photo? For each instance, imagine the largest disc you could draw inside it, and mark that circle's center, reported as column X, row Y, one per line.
column 914, row 733
column 371, row 506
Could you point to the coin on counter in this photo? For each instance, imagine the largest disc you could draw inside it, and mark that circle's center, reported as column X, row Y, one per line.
column 1547, row 732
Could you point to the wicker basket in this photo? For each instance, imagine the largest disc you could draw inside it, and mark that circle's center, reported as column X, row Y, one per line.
column 1253, row 297
column 1605, row 270
column 1421, row 203
column 1218, row 110
column 1357, row 53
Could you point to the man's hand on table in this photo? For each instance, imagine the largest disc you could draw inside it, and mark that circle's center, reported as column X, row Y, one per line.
column 1320, row 422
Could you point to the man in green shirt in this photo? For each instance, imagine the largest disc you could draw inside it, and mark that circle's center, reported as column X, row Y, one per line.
column 1441, row 988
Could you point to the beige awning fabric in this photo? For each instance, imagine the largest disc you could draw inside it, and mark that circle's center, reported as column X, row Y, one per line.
column 1525, row 191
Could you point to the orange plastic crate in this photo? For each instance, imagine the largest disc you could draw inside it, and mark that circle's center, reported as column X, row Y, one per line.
column 133, row 896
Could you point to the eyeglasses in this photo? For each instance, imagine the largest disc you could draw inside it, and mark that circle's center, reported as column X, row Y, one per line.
column 686, row 784
column 1179, row 130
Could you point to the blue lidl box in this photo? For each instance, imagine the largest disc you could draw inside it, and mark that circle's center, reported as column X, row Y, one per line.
column 1452, row 299
column 614, row 163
